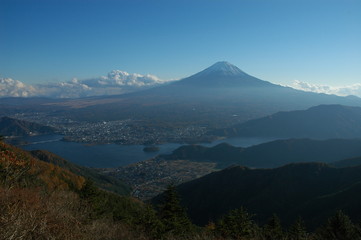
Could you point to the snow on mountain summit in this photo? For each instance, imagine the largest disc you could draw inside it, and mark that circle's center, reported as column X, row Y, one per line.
column 223, row 68
column 222, row 74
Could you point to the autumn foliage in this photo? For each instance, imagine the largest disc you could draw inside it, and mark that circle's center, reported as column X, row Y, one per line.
column 19, row 168
column 39, row 200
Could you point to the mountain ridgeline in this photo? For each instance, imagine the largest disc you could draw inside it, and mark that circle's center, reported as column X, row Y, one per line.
column 14, row 127
column 312, row 191
column 272, row 154
column 350, row 162
column 319, row 122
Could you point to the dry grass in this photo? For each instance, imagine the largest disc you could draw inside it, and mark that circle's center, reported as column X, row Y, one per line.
column 28, row 214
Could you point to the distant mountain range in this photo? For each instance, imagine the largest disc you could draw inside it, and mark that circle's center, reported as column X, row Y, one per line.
column 350, row 162
column 14, row 127
column 272, row 154
column 320, row 122
column 217, row 97
column 313, row 191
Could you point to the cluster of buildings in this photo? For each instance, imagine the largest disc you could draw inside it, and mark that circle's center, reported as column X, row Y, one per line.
column 151, row 177
column 128, row 131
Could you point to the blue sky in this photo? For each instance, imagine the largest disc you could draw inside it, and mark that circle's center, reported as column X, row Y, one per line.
column 276, row 40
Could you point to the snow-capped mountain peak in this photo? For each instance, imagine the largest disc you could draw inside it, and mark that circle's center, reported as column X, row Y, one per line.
column 223, row 68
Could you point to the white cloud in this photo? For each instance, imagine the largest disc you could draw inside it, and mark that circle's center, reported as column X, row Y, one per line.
column 14, row 88
column 116, row 82
column 117, row 78
column 354, row 89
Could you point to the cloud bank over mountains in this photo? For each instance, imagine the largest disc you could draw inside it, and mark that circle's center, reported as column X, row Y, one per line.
column 354, row 89
column 120, row 82
column 116, row 82
column 14, row 88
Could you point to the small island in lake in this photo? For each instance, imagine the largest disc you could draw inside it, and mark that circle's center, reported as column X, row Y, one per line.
column 151, row 149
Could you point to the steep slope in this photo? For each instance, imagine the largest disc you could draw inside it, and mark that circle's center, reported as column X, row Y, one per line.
column 311, row 190
column 321, row 122
column 222, row 75
column 39, row 200
column 271, row 154
column 18, row 168
column 15, row 127
column 102, row 181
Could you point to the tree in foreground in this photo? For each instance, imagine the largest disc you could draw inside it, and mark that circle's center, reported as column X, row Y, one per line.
column 298, row 231
column 273, row 229
column 237, row 224
column 149, row 223
column 173, row 215
column 339, row 227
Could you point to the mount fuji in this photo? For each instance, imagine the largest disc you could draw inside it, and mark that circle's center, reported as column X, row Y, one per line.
column 222, row 74
column 219, row 96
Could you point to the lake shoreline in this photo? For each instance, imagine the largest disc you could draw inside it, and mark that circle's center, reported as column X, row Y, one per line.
column 112, row 155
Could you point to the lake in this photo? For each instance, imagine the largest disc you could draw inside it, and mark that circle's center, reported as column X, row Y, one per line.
column 113, row 155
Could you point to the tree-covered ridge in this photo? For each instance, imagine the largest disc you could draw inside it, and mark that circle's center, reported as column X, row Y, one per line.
column 271, row 154
column 350, row 162
column 18, row 168
column 314, row 191
column 15, row 127
column 319, row 122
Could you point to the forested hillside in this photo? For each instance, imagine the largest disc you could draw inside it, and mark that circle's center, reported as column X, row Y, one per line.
column 313, row 191
column 271, row 154
column 39, row 200
column 319, row 122
column 14, row 127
